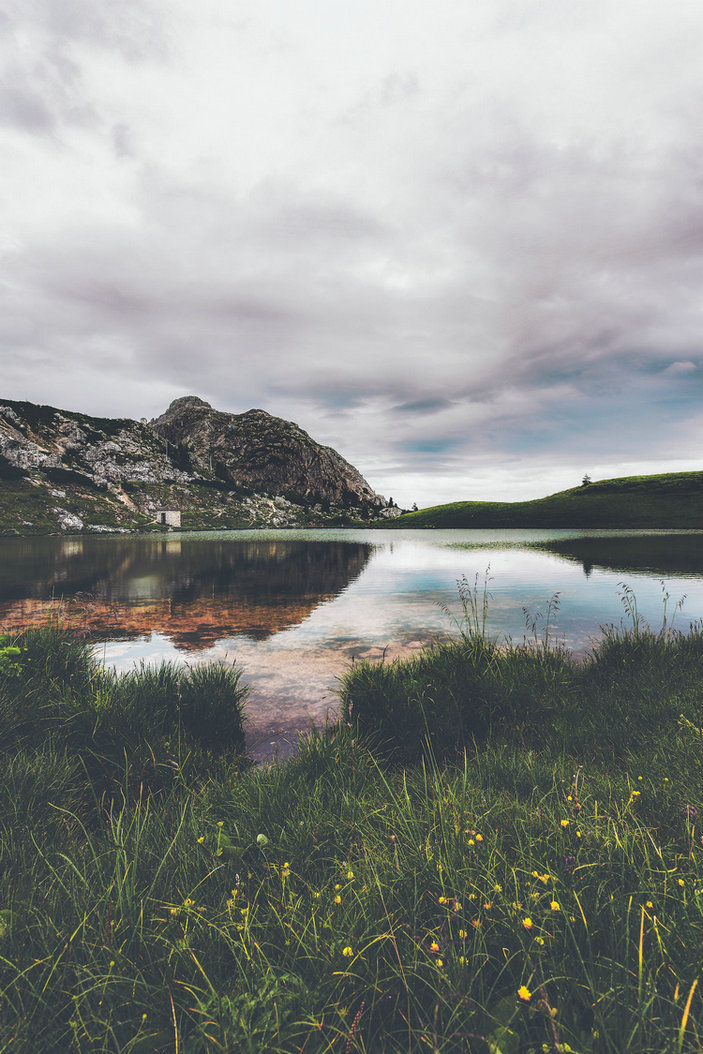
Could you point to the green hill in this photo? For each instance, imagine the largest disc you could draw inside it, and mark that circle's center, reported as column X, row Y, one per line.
column 674, row 499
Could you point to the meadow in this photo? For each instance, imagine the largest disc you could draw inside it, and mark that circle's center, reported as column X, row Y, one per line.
column 497, row 849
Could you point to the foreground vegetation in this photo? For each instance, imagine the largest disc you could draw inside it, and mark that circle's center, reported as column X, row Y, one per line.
column 671, row 500
column 497, row 850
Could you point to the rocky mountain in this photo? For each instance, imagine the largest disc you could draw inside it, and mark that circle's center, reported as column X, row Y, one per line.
column 62, row 470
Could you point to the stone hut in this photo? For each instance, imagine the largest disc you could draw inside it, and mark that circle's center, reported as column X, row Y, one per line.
column 169, row 517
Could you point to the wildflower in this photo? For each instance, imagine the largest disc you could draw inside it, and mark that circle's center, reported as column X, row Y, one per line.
column 442, row 900
column 639, row 777
column 337, row 886
column 539, row 940
column 553, row 1012
column 350, row 875
column 570, row 797
column 174, row 911
column 285, row 873
column 316, row 895
column 535, row 874
column 471, row 841
column 347, row 952
column 681, row 882
column 524, row 993
column 338, row 899
column 244, row 911
column 462, row 960
column 479, row 837
column 636, row 794
column 434, row 947
column 462, row 934
column 497, row 888
column 555, row 906
column 440, row 964
column 565, row 823
column 188, row 903
column 527, row 923
column 543, row 879
column 649, row 904
column 578, row 834
column 201, row 839
column 472, row 896
column 220, row 823
column 457, row 905
column 487, row 905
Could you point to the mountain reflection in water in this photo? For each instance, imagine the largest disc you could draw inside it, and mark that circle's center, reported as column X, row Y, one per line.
column 192, row 592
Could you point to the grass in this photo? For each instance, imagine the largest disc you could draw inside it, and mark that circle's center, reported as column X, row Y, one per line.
column 533, row 883
column 670, row 500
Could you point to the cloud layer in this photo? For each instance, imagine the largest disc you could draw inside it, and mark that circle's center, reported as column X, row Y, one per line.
column 461, row 242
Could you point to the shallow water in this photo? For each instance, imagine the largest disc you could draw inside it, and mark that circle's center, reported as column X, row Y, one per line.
column 294, row 608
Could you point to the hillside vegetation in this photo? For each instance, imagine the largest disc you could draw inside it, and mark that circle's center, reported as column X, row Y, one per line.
column 673, row 499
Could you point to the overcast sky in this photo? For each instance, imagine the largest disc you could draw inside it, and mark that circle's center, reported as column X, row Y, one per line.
column 461, row 241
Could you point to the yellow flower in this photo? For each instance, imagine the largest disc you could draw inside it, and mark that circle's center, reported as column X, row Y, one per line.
column 347, row 952
column 524, row 993
column 578, row 834
column 434, row 947
column 681, row 882
column 555, row 906
column 479, row 837
column 635, row 794
column 350, row 874
column 457, row 905
column 462, row 960
column 497, row 888
column 639, row 777
column 545, row 878
column 462, row 934
column 317, row 895
column 535, row 874
column 220, row 823
column 527, row 923
column 471, row 841
column 337, row 886
column 440, row 963
column 338, row 899
column 565, row 823
column 201, row 839
column 650, row 904
column 487, row 905
column 174, row 911
column 188, row 903
column 539, row 940
column 285, row 873
column 442, row 900
column 570, row 797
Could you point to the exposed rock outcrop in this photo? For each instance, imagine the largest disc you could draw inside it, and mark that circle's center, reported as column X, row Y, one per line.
column 263, row 453
column 219, row 469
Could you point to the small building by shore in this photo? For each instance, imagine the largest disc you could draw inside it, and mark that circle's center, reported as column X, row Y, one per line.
column 169, row 517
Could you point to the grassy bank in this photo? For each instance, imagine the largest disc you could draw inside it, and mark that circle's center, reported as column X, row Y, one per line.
column 671, row 500
column 530, row 883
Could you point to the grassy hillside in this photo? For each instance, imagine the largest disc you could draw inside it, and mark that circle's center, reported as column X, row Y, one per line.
column 674, row 499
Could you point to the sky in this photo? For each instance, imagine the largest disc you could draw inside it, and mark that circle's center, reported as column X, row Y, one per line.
column 460, row 241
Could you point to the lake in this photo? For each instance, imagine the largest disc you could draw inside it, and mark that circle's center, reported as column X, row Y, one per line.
column 294, row 608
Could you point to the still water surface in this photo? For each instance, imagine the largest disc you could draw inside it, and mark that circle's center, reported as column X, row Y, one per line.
column 294, row 608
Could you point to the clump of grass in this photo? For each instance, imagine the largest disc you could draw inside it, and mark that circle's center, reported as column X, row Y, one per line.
column 53, row 692
column 636, row 683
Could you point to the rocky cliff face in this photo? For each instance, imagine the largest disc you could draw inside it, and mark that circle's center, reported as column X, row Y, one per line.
column 68, row 471
column 263, row 453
